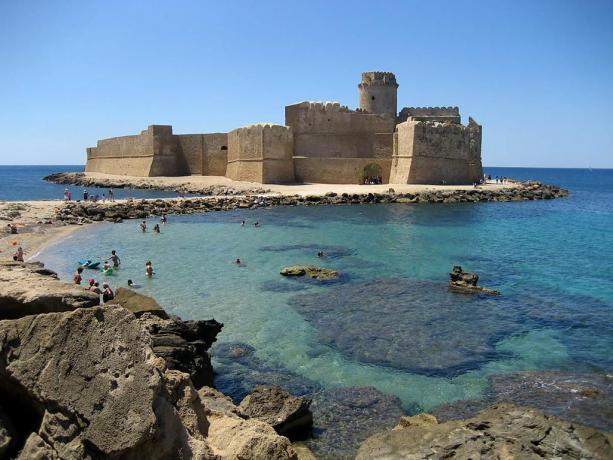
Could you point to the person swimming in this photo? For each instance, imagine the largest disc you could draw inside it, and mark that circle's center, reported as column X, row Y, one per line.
column 257, row 224
column 243, row 223
column 156, row 228
column 320, row 254
column 238, row 261
column 149, row 269
column 132, row 285
column 143, row 226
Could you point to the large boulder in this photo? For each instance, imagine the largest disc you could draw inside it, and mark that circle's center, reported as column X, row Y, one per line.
column 183, row 344
column 289, row 415
column 138, row 303
column 503, row 431
column 30, row 289
column 87, row 384
column 318, row 273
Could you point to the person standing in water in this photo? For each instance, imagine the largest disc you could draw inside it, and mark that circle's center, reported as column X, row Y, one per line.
column 143, row 226
column 149, row 269
column 77, row 276
column 18, row 257
column 115, row 258
column 156, row 228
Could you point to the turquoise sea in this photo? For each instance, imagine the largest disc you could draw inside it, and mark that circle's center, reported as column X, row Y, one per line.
column 390, row 321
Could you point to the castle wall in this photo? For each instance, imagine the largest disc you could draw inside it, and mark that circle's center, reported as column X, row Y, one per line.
column 126, row 155
column 167, row 159
column 205, row 154
column 433, row 153
column 261, row 153
column 333, row 143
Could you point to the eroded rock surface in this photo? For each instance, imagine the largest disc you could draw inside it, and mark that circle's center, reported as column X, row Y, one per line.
column 503, row 431
column 29, row 289
column 88, row 384
column 184, row 344
column 289, row 415
column 138, row 303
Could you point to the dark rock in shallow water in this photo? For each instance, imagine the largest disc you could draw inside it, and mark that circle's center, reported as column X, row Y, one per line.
column 503, row 431
column 318, row 273
column 344, row 417
column 289, row 415
column 238, row 371
column 582, row 398
column 282, row 286
column 413, row 325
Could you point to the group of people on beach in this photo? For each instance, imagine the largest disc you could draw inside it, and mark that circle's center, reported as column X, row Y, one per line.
column 89, row 197
column 372, row 180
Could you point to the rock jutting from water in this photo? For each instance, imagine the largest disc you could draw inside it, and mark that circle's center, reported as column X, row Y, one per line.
column 289, row 415
column 503, row 431
column 467, row 282
column 318, row 273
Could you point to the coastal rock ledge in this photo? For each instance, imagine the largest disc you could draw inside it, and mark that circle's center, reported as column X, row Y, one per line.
column 503, row 431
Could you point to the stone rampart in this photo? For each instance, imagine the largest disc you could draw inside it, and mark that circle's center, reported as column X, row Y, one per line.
column 435, row 153
column 339, row 140
column 261, row 153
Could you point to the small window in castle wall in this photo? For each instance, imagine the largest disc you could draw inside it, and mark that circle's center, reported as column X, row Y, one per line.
column 223, row 147
column 372, row 98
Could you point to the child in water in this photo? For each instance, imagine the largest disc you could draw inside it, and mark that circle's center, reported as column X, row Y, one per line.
column 77, row 276
column 143, row 226
column 149, row 269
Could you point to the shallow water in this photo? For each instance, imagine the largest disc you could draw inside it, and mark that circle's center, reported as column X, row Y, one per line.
column 390, row 321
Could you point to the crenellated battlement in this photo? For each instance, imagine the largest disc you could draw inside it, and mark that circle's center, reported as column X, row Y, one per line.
column 327, row 106
column 378, row 78
column 263, row 126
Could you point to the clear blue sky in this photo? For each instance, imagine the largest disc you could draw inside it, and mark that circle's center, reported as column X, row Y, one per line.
column 537, row 74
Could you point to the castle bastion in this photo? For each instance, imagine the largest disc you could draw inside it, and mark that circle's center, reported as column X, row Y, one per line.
column 321, row 142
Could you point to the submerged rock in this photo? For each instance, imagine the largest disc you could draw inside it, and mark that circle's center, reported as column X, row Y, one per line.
column 344, row 417
column 418, row 326
column 582, row 398
column 29, row 289
column 288, row 415
column 238, row 371
column 318, row 273
column 467, row 282
column 503, row 431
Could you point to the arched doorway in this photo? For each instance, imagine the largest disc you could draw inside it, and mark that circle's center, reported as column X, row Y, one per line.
column 372, row 174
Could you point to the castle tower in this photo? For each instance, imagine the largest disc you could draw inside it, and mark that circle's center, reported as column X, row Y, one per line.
column 378, row 91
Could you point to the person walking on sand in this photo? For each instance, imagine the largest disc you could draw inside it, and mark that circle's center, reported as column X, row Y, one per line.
column 143, row 226
column 149, row 269
column 77, row 278
column 115, row 258
column 65, row 194
column 85, row 195
column 111, row 196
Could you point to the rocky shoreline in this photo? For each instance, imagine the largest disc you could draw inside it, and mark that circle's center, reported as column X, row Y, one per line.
column 126, row 380
column 78, row 212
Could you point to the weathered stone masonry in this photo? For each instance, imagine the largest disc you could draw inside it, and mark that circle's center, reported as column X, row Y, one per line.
column 321, row 143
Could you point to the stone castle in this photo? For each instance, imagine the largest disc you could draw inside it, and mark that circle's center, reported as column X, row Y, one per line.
column 320, row 143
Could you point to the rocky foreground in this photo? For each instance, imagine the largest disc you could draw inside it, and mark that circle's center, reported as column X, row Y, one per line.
column 127, row 380
column 74, row 212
